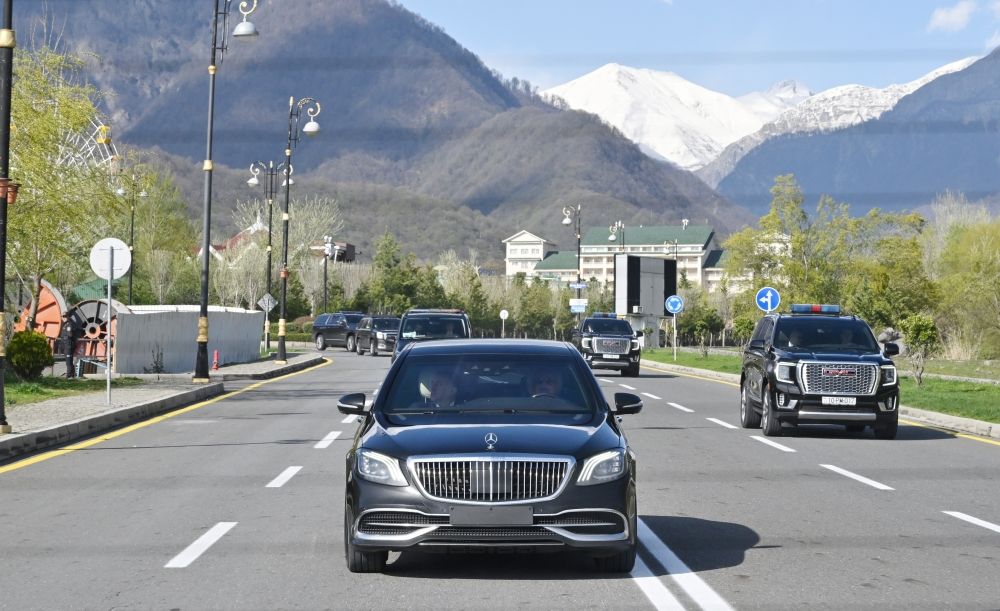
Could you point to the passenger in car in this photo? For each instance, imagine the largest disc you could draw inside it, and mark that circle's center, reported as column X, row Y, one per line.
column 437, row 387
column 545, row 382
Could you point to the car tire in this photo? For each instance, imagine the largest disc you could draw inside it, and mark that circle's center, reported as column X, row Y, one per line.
column 769, row 422
column 351, row 343
column 621, row 562
column 320, row 342
column 372, row 348
column 357, row 347
column 887, row 430
column 358, row 561
column 749, row 418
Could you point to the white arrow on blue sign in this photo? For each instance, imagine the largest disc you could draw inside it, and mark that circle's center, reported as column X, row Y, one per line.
column 674, row 304
column 768, row 299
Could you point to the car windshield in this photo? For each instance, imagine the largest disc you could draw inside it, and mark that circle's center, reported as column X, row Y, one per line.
column 611, row 326
column 385, row 324
column 352, row 319
column 829, row 334
column 472, row 388
column 433, row 327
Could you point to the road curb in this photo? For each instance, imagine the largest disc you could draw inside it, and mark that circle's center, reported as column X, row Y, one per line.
column 922, row 416
column 24, row 443
column 273, row 373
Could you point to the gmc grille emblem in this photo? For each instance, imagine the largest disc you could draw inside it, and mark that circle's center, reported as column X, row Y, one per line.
column 839, row 372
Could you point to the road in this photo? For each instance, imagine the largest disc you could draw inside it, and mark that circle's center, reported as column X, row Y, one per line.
column 237, row 504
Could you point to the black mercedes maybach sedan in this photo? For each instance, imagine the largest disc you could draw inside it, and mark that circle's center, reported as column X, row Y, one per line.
column 487, row 444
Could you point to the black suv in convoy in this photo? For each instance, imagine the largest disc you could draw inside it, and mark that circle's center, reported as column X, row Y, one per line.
column 607, row 342
column 421, row 324
column 337, row 329
column 375, row 333
column 814, row 366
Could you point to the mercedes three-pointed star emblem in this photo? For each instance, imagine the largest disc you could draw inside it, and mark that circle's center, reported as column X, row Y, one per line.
column 491, row 440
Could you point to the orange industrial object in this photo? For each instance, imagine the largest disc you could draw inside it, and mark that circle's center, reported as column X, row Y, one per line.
column 94, row 321
column 49, row 318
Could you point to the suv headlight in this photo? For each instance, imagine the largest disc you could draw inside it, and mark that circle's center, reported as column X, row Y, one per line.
column 380, row 334
column 635, row 344
column 380, row 468
column 888, row 375
column 585, row 343
column 785, row 372
column 603, row 467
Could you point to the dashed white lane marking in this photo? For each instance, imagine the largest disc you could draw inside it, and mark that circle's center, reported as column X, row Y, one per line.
column 200, row 546
column 653, row 588
column 326, row 441
column 627, row 386
column 349, row 419
column 283, row 478
column 972, row 520
column 721, row 423
column 856, row 477
column 699, row 591
column 651, row 396
column 680, row 407
column 606, row 380
column 773, row 444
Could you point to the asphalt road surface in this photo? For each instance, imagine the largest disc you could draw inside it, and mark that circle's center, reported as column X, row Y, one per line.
column 238, row 504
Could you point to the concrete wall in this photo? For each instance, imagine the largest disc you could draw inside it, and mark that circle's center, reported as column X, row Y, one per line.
column 236, row 334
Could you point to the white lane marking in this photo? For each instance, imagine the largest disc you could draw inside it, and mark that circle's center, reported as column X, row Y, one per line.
column 856, row 477
column 653, row 588
column 972, row 520
column 721, row 423
column 627, row 386
column 651, row 396
column 200, row 546
column 680, row 407
column 326, row 441
column 349, row 419
column 688, row 580
column 606, row 380
column 773, row 444
column 283, row 478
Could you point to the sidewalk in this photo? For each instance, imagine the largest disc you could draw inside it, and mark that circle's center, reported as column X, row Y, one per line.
column 58, row 421
column 923, row 416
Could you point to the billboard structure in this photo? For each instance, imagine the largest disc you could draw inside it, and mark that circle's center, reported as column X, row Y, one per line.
column 642, row 285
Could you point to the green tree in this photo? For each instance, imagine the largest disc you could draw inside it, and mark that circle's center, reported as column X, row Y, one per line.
column 922, row 341
column 970, row 290
column 533, row 315
column 743, row 328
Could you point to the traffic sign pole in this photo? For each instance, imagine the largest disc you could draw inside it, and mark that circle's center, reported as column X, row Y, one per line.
column 107, row 335
column 674, row 304
column 675, row 337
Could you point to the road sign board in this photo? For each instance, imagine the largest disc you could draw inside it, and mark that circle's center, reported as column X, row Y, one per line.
column 100, row 256
column 674, row 304
column 577, row 285
column 267, row 302
column 504, row 314
column 768, row 299
column 578, row 309
column 578, row 302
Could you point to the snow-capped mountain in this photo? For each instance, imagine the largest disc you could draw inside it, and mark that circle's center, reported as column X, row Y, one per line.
column 767, row 105
column 829, row 110
column 669, row 117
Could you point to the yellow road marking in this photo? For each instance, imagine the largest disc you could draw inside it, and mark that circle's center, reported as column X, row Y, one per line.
column 690, row 375
column 155, row 419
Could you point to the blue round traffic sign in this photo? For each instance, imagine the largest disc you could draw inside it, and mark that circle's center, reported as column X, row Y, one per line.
column 674, row 304
column 768, row 299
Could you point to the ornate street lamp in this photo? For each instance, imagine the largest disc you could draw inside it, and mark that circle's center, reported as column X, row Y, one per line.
column 7, row 44
column 311, row 128
column 244, row 30
column 270, row 173
column 617, row 230
column 328, row 249
column 571, row 216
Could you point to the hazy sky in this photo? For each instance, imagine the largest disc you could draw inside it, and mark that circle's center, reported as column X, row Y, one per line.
column 733, row 46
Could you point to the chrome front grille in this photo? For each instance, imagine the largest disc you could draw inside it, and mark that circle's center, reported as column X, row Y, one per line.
column 822, row 378
column 612, row 345
column 491, row 478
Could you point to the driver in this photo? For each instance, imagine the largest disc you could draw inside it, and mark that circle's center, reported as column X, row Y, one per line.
column 545, row 381
column 437, row 387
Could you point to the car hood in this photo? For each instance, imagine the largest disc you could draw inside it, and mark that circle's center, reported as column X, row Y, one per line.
column 552, row 439
column 840, row 357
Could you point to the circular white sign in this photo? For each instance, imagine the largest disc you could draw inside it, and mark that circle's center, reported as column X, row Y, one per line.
column 504, row 314
column 100, row 258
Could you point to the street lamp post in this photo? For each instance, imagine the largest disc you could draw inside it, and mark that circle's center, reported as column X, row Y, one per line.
column 327, row 248
column 571, row 216
column 271, row 173
column 617, row 230
column 133, row 184
column 311, row 128
column 7, row 44
column 244, row 30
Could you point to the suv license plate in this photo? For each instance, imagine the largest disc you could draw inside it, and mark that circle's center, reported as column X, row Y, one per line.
column 840, row 400
column 610, row 356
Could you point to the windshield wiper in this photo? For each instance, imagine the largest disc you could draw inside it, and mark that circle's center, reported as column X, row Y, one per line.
column 425, row 412
column 488, row 411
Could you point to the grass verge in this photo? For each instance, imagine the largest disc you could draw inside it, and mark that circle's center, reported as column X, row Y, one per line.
column 17, row 392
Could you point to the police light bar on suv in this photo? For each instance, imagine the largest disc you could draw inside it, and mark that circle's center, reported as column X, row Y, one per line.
column 815, row 308
column 603, row 315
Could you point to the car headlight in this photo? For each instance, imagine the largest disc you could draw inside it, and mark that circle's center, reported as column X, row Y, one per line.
column 586, row 343
column 380, row 468
column 783, row 372
column 635, row 344
column 888, row 375
column 380, row 335
column 603, row 467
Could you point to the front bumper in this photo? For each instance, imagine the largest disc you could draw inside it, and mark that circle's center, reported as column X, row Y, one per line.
column 792, row 406
column 597, row 361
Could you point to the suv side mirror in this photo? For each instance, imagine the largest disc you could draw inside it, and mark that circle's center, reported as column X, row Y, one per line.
column 353, row 403
column 891, row 349
column 627, row 403
column 756, row 344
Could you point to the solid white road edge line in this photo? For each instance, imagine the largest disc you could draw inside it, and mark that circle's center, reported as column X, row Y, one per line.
column 653, row 588
column 283, row 478
column 699, row 591
column 349, row 419
column 856, row 477
column 773, row 444
column 606, row 380
column 680, row 407
column 972, row 520
column 652, row 396
column 626, row 386
column 721, row 423
column 326, row 441
column 200, row 546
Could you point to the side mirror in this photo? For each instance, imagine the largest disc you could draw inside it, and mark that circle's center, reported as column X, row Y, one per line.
column 636, row 334
column 353, row 403
column 627, row 403
column 891, row 349
column 756, row 344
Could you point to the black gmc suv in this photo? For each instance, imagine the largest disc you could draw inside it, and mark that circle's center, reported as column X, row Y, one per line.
column 607, row 342
column 421, row 324
column 814, row 366
column 337, row 329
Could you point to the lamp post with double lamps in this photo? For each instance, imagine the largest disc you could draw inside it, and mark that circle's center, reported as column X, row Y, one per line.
column 244, row 30
column 617, row 230
column 270, row 174
column 571, row 216
column 311, row 128
column 328, row 249
column 8, row 190
column 130, row 185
